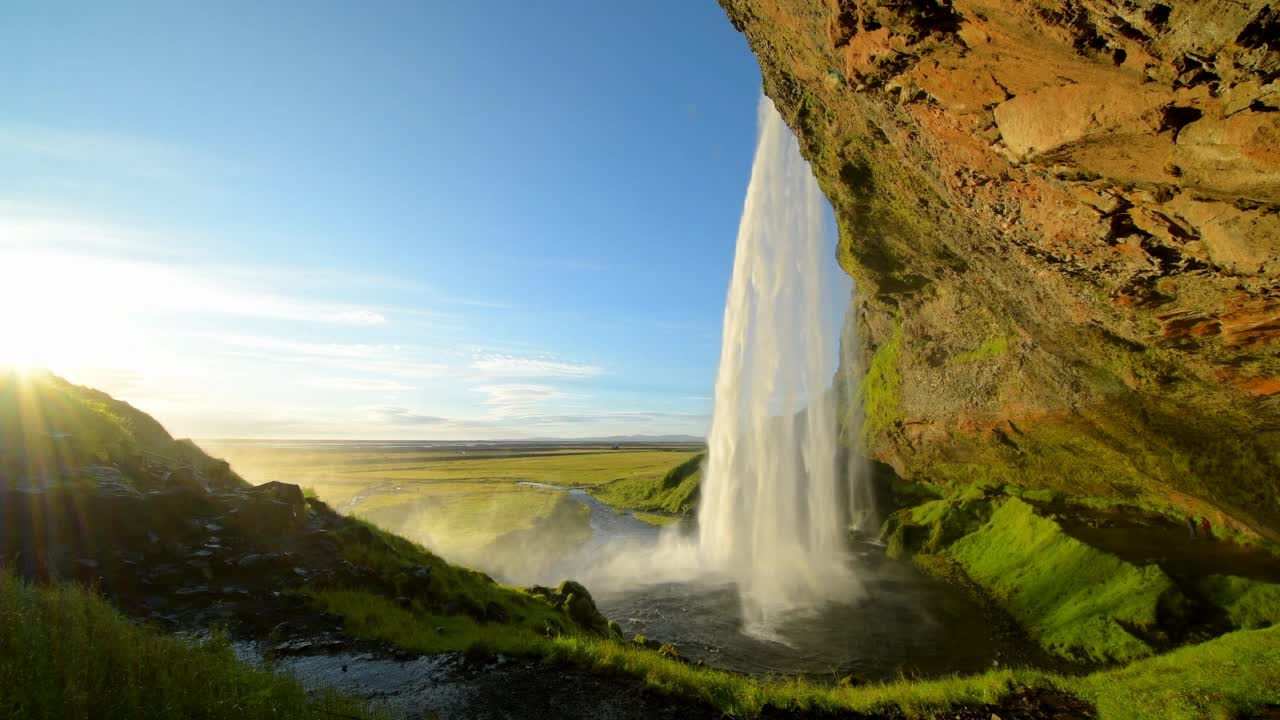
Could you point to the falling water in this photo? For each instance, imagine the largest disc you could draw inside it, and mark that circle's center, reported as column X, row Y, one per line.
column 773, row 512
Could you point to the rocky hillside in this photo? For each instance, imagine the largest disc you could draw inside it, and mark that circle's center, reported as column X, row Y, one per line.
column 95, row 491
column 1062, row 216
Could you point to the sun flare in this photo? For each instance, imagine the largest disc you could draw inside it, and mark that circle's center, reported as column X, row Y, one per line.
column 57, row 310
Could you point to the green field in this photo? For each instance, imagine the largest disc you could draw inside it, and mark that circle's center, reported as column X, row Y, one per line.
column 467, row 503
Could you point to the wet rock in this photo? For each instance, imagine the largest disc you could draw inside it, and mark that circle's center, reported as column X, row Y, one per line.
column 670, row 651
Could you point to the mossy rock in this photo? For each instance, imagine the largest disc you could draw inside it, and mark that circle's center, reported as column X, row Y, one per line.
column 932, row 526
column 575, row 601
column 1076, row 601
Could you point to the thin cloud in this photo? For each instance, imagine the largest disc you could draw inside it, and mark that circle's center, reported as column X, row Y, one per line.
column 132, row 287
column 369, row 385
column 516, row 399
column 515, row 366
column 404, row 416
column 112, row 154
column 639, row 416
column 378, row 360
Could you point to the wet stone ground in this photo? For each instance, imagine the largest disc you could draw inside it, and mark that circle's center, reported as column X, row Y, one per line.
column 450, row 686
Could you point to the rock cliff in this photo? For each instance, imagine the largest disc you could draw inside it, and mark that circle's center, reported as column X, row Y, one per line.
column 1063, row 217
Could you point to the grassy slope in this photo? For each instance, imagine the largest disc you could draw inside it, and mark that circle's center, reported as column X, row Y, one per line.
column 675, row 491
column 1224, row 678
column 1073, row 599
column 50, row 426
column 65, row 653
column 1077, row 601
column 656, row 520
column 454, row 590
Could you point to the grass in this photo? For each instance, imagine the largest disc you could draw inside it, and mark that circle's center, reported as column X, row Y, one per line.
column 359, row 466
column 1075, row 600
column 675, row 491
column 1233, row 674
column 453, row 590
column 1248, row 603
column 1230, row 677
column 65, row 653
column 52, row 428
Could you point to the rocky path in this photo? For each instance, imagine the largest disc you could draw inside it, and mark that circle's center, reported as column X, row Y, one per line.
column 448, row 687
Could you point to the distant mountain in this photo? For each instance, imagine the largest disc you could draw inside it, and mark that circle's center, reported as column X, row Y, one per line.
column 627, row 439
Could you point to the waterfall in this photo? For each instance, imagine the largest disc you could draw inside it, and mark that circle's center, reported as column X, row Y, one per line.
column 774, row 512
column 779, row 492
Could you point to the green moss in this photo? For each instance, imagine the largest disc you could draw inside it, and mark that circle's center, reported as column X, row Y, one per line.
column 1248, row 603
column 1132, row 450
column 932, row 526
column 995, row 347
column 65, row 653
column 1042, row 495
column 879, row 390
column 1076, row 601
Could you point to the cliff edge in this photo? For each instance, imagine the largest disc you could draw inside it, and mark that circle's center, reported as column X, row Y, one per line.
column 1063, row 217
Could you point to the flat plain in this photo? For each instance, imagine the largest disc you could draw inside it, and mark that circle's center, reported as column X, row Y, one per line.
column 470, row 502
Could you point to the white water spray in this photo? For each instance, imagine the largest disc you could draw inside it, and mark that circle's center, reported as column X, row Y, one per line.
column 774, row 514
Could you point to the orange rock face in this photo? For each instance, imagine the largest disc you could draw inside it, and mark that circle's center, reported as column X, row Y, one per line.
column 1070, row 207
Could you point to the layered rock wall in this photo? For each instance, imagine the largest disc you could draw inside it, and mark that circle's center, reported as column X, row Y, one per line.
column 1064, row 220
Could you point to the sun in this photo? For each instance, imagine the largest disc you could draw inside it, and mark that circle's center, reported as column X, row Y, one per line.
column 47, row 313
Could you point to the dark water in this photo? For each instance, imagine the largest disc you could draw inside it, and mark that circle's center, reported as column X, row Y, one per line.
column 906, row 623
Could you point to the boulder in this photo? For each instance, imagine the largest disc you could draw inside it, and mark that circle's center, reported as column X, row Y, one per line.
column 283, row 492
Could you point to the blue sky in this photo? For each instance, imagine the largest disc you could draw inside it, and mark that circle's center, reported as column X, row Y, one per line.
column 401, row 220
